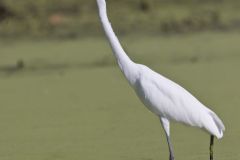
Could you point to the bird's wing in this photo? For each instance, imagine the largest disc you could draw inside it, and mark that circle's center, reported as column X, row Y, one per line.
column 168, row 99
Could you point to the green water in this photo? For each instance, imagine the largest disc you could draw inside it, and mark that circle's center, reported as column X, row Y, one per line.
column 71, row 102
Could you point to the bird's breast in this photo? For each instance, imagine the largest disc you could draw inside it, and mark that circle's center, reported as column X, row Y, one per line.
column 150, row 98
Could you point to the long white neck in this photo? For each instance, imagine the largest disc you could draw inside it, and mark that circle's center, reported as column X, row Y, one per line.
column 127, row 66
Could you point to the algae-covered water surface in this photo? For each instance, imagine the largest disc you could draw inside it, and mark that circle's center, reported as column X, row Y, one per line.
column 63, row 100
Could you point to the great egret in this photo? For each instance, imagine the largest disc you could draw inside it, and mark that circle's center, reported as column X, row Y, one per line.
column 166, row 99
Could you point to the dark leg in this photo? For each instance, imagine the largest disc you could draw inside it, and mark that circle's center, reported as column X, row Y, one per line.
column 171, row 156
column 211, row 147
column 166, row 127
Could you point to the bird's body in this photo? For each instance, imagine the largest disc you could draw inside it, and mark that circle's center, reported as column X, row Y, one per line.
column 165, row 98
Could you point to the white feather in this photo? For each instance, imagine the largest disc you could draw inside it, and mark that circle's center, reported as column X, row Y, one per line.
column 160, row 95
column 167, row 99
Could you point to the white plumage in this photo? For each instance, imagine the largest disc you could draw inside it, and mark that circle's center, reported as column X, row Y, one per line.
column 169, row 100
column 165, row 98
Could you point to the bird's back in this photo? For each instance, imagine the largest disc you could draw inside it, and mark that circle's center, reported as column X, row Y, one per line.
column 168, row 99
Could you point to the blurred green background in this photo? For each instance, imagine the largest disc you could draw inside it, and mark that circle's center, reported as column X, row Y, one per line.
column 77, row 18
column 64, row 98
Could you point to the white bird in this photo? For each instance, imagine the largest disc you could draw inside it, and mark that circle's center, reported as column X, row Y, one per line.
column 163, row 97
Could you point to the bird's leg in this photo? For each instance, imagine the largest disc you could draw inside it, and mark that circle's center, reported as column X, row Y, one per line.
column 171, row 156
column 166, row 126
column 211, row 147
